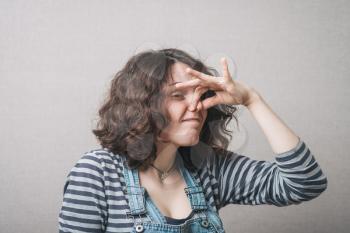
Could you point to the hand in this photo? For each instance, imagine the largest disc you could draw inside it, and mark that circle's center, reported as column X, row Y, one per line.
column 227, row 91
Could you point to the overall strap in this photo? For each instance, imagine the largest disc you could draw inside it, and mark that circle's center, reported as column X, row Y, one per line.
column 193, row 190
column 134, row 192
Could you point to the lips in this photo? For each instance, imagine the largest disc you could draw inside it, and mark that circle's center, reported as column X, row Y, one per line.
column 192, row 119
column 193, row 122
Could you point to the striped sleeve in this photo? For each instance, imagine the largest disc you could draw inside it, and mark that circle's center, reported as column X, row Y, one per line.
column 84, row 203
column 293, row 177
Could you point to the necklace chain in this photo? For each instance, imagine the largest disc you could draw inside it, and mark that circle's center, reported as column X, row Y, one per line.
column 164, row 174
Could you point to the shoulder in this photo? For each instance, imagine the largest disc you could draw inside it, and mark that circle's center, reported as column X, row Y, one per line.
column 101, row 156
column 100, row 162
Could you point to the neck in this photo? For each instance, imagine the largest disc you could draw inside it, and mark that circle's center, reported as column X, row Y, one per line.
column 166, row 155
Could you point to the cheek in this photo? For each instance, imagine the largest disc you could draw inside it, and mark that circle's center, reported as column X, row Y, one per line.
column 175, row 112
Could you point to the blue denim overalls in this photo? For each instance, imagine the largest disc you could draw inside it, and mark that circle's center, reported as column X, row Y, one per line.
column 148, row 218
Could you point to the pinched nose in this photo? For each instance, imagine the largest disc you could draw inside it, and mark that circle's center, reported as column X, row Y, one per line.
column 195, row 104
column 196, row 100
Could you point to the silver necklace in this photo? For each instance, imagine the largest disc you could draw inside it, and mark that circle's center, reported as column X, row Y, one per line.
column 164, row 174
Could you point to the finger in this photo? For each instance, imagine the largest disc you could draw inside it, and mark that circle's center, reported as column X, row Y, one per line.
column 226, row 71
column 191, row 83
column 198, row 92
column 201, row 75
column 210, row 102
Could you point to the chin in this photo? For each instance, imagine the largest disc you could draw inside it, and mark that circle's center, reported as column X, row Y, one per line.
column 188, row 140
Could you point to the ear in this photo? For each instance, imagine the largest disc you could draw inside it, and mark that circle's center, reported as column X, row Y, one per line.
column 162, row 138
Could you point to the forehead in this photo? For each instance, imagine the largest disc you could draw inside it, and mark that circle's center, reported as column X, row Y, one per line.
column 178, row 73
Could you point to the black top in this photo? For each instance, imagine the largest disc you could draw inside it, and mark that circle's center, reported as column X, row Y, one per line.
column 177, row 221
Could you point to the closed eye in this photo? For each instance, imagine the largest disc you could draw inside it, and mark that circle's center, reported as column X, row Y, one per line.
column 176, row 95
column 203, row 96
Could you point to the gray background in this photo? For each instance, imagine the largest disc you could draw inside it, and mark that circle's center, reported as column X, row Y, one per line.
column 57, row 58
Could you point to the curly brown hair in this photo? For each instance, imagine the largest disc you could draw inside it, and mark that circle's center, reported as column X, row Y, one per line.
column 132, row 115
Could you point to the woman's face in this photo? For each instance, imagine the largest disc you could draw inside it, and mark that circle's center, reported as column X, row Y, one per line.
column 181, row 131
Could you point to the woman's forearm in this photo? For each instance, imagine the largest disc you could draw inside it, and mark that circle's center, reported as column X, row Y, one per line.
column 279, row 135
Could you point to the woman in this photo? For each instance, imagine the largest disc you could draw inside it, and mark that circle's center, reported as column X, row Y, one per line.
column 164, row 164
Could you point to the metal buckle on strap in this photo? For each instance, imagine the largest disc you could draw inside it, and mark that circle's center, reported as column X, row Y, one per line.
column 138, row 227
column 137, row 222
column 205, row 223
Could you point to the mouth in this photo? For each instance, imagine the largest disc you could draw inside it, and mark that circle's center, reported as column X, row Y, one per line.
column 192, row 119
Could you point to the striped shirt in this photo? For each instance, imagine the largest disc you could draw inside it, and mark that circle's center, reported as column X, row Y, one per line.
column 94, row 201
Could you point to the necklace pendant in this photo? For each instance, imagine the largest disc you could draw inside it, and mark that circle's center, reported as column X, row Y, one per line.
column 163, row 176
